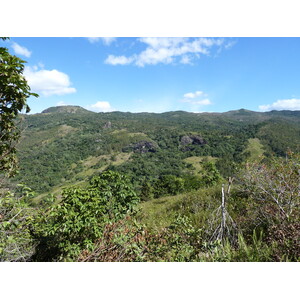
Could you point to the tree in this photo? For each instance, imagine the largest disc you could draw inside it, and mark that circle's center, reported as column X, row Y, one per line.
column 211, row 174
column 14, row 92
column 168, row 185
column 16, row 243
column 147, row 191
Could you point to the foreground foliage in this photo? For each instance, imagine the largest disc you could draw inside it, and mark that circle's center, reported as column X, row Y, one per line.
column 78, row 220
column 14, row 92
column 103, row 221
column 259, row 207
column 16, row 215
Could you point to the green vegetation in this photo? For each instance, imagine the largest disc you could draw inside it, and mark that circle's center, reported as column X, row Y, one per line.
column 16, row 243
column 66, row 145
column 90, row 170
column 254, row 150
column 16, row 215
column 14, row 92
column 145, row 187
column 264, row 224
column 104, row 222
column 79, row 219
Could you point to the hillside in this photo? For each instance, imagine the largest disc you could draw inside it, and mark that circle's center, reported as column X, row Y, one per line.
column 67, row 145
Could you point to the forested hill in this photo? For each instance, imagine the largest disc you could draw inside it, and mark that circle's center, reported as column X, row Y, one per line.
column 68, row 144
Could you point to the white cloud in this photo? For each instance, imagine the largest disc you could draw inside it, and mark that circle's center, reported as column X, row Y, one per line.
column 197, row 102
column 93, row 40
column 118, row 60
column 201, row 102
column 169, row 50
column 21, row 50
column 163, row 42
column 39, row 65
column 286, row 104
column 100, row 106
column 48, row 82
column 193, row 95
column 186, row 59
column 106, row 40
column 230, row 44
column 196, row 98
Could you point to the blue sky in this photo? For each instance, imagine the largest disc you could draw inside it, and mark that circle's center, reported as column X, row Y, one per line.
column 162, row 74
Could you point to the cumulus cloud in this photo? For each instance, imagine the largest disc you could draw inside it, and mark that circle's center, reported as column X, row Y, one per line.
column 48, row 82
column 100, row 106
column 196, row 98
column 106, row 40
column 20, row 50
column 286, row 104
column 169, row 50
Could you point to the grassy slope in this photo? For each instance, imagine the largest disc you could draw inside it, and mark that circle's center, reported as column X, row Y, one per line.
column 197, row 160
column 256, row 150
column 198, row 205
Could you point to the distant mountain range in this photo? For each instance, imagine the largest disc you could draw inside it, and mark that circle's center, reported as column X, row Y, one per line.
column 242, row 111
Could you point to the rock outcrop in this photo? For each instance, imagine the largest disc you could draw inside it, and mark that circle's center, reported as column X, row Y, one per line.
column 107, row 125
column 141, row 147
column 192, row 140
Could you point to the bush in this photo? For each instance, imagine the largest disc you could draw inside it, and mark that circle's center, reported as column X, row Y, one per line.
column 16, row 242
column 272, row 196
column 80, row 218
column 168, row 185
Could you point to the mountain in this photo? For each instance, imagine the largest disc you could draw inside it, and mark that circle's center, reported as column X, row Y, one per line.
column 66, row 145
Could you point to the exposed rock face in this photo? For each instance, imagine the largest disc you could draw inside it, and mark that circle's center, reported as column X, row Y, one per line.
column 192, row 139
column 198, row 140
column 141, row 147
column 144, row 146
column 186, row 140
column 107, row 125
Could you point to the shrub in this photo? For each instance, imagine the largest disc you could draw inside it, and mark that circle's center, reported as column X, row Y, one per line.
column 80, row 218
column 16, row 242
